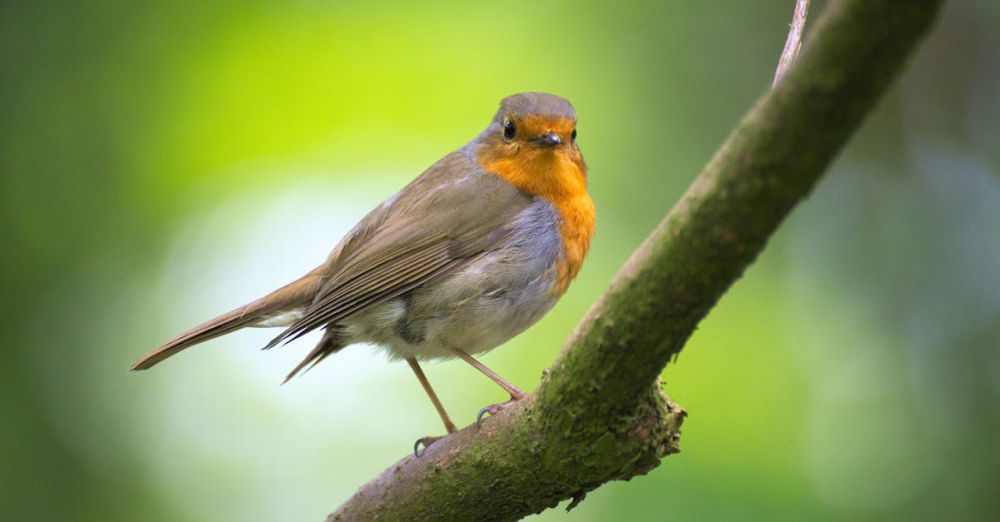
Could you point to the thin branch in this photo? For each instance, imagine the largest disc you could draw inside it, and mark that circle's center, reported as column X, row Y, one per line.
column 794, row 41
column 598, row 414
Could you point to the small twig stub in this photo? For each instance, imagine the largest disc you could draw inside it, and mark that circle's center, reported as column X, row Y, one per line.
column 794, row 41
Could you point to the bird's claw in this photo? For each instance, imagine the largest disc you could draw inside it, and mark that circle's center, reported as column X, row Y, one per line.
column 426, row 443
column 492, row 410
column 479, row 416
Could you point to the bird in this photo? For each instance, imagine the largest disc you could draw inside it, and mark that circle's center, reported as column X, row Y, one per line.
column 468, row 255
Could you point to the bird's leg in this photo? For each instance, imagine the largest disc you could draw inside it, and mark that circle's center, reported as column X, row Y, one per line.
column 515, row 393
column 448, row 425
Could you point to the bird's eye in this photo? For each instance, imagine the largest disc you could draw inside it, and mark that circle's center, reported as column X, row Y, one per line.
column 508, row 130
column 572, row 136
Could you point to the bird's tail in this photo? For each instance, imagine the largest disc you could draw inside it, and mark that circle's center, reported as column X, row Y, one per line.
column 297, row 294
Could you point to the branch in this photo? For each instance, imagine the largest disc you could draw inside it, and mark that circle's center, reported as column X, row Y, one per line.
column 598, row 414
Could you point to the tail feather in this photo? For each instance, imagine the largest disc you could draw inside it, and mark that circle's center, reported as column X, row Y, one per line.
column 291, row 296
column 225, row 323
column 329, row 344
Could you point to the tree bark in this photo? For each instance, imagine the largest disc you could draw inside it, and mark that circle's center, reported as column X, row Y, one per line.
column 598, row 414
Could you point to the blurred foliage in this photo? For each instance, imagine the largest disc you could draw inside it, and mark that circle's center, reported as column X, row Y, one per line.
column 164, row 161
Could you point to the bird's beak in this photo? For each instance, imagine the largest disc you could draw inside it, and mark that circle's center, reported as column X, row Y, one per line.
column 549, row 139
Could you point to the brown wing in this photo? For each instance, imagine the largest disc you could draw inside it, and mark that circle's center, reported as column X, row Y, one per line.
column 449, row 215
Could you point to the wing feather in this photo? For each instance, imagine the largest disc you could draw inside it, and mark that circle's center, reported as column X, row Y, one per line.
column 342, row 302
column 448, row 216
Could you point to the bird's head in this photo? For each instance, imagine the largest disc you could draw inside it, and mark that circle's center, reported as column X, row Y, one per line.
column 531, row 142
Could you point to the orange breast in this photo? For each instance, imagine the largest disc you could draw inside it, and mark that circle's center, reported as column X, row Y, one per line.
column 559, row 176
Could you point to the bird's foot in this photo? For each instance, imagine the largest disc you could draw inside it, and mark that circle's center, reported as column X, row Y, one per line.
column 493, row 409
column 425, row 442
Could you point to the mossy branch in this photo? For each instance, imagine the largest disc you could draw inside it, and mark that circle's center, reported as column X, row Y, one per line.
column 598, row 414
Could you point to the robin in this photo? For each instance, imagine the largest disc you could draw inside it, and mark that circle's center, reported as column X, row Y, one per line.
column 471, row 253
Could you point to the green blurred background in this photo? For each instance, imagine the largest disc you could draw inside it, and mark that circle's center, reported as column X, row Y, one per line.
column 164, row 161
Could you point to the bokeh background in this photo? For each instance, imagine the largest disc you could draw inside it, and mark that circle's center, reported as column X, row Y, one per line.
column 164, row 161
